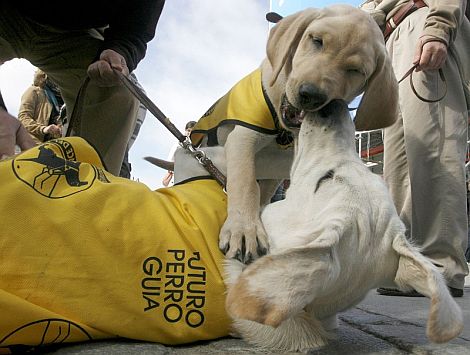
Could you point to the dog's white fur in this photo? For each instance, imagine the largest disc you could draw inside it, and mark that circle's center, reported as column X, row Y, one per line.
column 336, row 236
column 351, row 59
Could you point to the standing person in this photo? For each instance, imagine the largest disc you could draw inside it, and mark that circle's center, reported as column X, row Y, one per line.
column 90, row 38
column 40, row 109
column 168, row 178
column 424, row 151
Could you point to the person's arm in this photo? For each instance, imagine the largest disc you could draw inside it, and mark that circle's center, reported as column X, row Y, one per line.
column 12, row 133
column 443, row 20
column 440, row 30
column 2, row 103
column 132, row 27
column 125, row 40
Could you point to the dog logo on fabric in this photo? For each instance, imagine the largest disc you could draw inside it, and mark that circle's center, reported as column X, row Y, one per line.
column 42, row 332
column 52, row 170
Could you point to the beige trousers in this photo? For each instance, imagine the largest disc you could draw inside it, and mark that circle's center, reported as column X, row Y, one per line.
column 424, row 162
column 109, row 114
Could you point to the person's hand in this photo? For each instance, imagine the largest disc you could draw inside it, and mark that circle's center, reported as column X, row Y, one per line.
column 167, row 178
column 430, row 55
column 12, row 133
column 101, row 71
column 53, row 130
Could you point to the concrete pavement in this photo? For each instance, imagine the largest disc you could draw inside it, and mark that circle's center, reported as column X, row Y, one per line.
column 378, row 325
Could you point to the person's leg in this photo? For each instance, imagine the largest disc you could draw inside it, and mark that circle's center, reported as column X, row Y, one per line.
column 109, row 114
column 9, row 37
column 126, row 166
column 434, row 137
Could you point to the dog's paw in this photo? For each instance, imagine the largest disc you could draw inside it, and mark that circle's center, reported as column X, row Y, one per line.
column 243, row 241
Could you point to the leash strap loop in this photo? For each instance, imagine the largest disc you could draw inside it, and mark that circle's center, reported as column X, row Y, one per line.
column 409, row 74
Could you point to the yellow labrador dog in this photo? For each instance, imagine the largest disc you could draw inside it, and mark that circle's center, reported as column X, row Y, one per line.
column 313, row 57
column 345, row 240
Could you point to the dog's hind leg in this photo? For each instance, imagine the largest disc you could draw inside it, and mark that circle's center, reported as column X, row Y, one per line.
column 278, row 286
column 445, row 319
column 298, row 333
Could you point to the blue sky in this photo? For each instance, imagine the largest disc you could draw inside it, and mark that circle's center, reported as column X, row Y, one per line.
column 286, row 7
column 201, row 49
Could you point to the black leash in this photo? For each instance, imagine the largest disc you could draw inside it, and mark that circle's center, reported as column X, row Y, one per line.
column 184, row 141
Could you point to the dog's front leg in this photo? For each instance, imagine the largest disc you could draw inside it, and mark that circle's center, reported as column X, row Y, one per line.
column 243, row 236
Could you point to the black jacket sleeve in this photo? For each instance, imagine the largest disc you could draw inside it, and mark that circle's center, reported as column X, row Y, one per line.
column 131, row 27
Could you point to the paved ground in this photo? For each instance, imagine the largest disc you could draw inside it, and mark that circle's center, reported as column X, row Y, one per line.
column 379, row 325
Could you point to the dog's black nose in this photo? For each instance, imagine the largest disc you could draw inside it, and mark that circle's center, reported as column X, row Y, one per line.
column 310, row 97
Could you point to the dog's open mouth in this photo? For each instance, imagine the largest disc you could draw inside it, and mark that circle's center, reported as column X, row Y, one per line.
column 291, row 116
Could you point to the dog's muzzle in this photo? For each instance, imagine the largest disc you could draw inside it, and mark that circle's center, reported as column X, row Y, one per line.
column 334, row 108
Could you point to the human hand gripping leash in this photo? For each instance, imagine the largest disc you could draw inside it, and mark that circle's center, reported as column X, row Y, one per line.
column 184, row 141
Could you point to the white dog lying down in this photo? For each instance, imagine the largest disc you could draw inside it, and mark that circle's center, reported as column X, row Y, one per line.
column 334, row 237
column 99, row 256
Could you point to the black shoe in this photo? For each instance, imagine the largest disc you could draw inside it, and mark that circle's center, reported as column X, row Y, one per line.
column 455, row 292
column 396, row 292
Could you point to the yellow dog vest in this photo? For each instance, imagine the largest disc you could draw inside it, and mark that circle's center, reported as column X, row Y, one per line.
column 87, row 255
column 245, row 104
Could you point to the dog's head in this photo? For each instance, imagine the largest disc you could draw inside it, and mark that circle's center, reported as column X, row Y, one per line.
column 319, row 55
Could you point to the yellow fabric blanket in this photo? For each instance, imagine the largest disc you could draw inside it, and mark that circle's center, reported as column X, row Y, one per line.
column 87, row 255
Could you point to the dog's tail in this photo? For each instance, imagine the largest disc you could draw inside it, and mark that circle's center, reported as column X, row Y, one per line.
column 445, row 320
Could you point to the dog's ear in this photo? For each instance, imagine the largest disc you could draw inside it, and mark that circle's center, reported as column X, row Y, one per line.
column 445, row 320
column 279, row 286
column 379, row 104
column 164, row 164
column 284, row 38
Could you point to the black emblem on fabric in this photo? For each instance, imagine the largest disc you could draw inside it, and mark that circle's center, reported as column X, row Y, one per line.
column 211, row 109
column 46, row 331
column 52, row 170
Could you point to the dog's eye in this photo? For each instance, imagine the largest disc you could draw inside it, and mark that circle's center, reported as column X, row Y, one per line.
column 317, row 42
column 355, row 71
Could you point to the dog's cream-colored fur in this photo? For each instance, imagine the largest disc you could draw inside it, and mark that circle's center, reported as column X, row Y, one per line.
column 333, row 238
column 338, row 52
